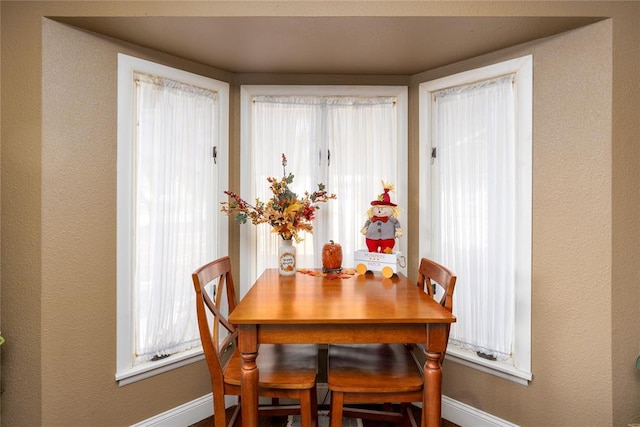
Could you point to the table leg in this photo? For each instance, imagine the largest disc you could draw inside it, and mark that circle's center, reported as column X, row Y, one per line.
column 432, row 400
column 248, row 347
column 432, row 390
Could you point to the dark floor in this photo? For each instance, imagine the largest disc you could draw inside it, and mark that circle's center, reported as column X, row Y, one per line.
column 282, row 422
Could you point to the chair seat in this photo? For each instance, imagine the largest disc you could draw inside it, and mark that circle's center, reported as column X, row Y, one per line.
column 285, row 366
column 373, row 368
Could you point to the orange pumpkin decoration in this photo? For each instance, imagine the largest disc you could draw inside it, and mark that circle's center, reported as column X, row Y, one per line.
column 331, row 257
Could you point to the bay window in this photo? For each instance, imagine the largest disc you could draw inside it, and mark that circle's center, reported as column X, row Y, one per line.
column 476, row 191
column 349, row 138
column 172, row 169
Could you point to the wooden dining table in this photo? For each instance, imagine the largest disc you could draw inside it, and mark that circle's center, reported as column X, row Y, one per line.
column 312, row 308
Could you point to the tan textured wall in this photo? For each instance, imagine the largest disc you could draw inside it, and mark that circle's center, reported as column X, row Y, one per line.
column 21, row 278
column 625, row 285
column 58, row 210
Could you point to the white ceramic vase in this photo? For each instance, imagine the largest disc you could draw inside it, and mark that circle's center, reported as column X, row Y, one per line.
column 287, row 258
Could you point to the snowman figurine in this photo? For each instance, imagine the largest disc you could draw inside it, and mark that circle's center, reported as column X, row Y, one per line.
column 382, row 228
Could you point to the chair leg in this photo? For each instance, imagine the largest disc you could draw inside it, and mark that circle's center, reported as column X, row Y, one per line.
column 314, row 406
column 236, row 417
column 409, row 416
column 337, row 402
column 306, row 416
column 219, row 414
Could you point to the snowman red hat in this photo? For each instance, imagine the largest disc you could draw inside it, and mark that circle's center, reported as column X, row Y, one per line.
column 384, row 199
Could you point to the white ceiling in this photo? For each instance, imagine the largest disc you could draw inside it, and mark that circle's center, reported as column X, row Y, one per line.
column 328, row 45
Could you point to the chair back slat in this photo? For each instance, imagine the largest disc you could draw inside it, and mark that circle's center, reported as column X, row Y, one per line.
column 432, row 275
column 211, row 318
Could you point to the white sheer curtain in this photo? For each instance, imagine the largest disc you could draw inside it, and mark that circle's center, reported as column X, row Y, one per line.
column 175, row 211
column 348, row 143
column 475, row 176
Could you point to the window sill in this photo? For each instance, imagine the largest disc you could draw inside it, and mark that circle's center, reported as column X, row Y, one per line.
column 504, row 370
column 149, row 369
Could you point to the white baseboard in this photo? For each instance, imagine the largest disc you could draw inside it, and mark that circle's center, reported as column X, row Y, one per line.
column 183, row 415
column 464, row 415
column 202, row 407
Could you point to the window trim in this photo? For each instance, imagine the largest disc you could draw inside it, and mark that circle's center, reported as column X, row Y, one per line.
column 517, row 369
column 126, row 372
column 248, row 275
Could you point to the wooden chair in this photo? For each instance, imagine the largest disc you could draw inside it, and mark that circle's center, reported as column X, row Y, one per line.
column 286, row 371
column 431, row 277
column 383, row 374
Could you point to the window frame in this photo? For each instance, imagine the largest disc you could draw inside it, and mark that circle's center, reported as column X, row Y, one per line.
column 248, row 275
column 126, row 371
column 518, row 368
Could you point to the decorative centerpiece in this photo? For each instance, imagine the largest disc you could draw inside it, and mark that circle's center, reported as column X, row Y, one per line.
column 381, row 230
column 288, row 214
column 382, row 227
column 332, row 257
